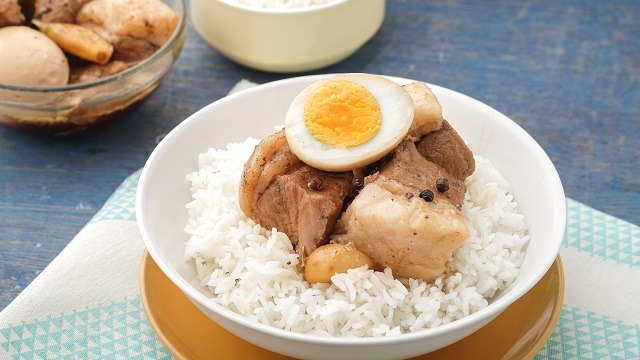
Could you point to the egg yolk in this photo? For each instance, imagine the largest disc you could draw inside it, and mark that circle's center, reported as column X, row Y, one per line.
column 342, row 114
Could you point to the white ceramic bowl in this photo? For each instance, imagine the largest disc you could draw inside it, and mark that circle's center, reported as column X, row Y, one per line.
column 289, row 40
column 163, row 193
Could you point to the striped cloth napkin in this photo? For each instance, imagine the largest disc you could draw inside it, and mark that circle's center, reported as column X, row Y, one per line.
column 86, row 303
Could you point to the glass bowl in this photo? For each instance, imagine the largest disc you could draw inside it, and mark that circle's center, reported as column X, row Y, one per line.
column 75, row 108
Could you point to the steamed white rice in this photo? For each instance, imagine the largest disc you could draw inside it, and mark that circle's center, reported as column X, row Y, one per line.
column 253, row 271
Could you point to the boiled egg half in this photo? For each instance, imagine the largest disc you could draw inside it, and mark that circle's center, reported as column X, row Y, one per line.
column 348, row 121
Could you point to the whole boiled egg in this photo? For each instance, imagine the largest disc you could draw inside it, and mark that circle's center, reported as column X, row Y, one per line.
column 348, row 121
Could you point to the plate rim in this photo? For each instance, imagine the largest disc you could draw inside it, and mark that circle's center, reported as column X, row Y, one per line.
column 555, row 315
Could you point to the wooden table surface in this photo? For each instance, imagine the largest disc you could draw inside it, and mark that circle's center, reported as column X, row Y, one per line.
column 568, row 72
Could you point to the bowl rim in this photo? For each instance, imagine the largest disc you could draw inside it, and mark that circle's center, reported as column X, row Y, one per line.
column 165, row 48
column 274, row 11
column 492, row 310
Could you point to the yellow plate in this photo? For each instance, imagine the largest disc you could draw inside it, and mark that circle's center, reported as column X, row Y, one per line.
column 518, row 333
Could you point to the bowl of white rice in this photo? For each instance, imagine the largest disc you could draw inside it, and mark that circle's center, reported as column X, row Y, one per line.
column 287, row 36
column 246, row 278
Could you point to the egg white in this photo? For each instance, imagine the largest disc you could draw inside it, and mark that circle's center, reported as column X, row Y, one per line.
column 396, row 107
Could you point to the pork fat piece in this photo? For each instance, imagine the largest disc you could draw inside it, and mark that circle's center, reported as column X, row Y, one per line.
column 390, row 223
column 427, row 110
column 149, row 20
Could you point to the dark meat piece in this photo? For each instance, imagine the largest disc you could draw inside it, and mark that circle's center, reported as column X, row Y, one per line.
column 93, row 72
column 392, row 224
column 412, row 173
column 10, row 13
column 271, row 158
column 447, row 149
column 58, row 11
column 278, row 190
column 307, row 213
column 132, row 50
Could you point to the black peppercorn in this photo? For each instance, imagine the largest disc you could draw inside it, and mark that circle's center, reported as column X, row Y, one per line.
column 315, row 184
column 442, row 185
column 427, row 195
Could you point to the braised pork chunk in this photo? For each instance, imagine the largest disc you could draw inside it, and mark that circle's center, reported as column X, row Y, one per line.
column 304, row 204
column 278, row 191
column 389, row 222
column 10, row 13
column 447, row 149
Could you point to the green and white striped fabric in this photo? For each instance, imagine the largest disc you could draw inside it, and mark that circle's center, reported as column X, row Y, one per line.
column 81, row 306
column 102, row 317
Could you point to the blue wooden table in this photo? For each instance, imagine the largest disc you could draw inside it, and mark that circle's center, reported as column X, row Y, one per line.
column 568, row 72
